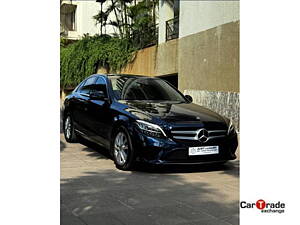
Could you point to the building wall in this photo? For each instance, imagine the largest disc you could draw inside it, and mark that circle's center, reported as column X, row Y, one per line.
column 167, row 58
column 208, row 48
column 85, row 22
column 154, row 61
column 209, row 60
column 144, row 62
column 198, row 16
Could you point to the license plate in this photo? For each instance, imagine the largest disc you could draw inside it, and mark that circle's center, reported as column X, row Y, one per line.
column 204, row 150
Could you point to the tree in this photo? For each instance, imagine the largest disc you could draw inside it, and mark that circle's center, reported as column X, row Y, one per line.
column 143, row 26
column 134, row 21
column 101, row 17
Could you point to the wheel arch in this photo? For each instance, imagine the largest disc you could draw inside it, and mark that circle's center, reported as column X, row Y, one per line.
column 65, row 113
column 121, row 120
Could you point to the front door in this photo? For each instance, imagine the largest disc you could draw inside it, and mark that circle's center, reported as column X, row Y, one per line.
column 99, row 115
column 80, row 113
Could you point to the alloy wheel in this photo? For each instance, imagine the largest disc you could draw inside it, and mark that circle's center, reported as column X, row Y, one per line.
column 121, row 148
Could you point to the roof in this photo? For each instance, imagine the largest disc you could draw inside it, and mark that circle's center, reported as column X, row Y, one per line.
column 122, row 75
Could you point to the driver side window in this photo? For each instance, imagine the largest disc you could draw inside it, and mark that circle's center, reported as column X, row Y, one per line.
column 100, row 86
column 88, row 85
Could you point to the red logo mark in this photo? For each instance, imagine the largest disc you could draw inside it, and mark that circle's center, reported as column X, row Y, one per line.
column 260, row 204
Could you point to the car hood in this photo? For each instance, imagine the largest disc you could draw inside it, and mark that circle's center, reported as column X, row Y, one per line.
column 173, row 113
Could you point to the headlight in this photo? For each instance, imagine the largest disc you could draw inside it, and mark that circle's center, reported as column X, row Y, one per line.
column 150, row 129
column 231, row 128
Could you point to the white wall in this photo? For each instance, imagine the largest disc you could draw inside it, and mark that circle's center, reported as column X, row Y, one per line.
column 197, row 16
column 165, row 13
column 85, row 23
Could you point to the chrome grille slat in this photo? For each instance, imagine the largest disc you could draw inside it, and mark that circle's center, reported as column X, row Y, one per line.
column 193, row 134
column 216, row 131
column 184, row 131
column 213, row 137
column 185, row 137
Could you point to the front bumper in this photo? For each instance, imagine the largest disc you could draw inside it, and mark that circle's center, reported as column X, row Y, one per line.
column 169, row 151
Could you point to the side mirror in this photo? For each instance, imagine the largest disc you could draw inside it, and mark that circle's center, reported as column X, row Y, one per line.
column 97, row 95
column 189, row 98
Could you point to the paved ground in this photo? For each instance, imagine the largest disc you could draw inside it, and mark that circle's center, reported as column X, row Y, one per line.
column 93, row 192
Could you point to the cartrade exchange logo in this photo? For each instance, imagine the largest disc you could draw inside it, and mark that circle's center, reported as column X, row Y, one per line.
column 264, row 207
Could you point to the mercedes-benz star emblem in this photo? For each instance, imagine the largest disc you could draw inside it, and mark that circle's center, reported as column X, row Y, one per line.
column 203, row 135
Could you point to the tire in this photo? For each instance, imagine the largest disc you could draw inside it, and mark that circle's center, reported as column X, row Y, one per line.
column 121, row 150
column 69, row 131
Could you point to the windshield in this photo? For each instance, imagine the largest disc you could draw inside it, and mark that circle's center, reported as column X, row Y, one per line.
column 148, row 89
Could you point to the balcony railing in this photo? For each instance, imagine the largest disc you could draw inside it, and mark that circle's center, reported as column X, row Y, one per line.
column 145, row 38
column 172, row 28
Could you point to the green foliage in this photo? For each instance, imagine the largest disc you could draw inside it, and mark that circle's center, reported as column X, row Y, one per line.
column 65, row 42
column 84, row 57
column 143, row 27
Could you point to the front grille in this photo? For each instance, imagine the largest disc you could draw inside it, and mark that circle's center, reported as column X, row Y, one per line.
column 193, row 134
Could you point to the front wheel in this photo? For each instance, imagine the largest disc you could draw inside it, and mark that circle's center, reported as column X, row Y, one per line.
column 122, row 151
column 69, row 130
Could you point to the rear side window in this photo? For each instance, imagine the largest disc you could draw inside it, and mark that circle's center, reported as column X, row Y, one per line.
column 88, row 85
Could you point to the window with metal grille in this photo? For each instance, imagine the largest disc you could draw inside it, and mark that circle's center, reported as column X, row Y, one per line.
column 172, row 28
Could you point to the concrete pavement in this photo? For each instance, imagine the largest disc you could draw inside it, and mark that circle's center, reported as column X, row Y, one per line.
column 94, row 192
